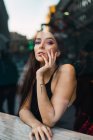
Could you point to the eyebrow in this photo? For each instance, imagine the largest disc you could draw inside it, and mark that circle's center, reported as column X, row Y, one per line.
column 46, row 38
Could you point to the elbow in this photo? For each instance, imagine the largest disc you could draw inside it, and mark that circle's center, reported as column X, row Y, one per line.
column 49, row 119
column 20, row 114
column 49, row 123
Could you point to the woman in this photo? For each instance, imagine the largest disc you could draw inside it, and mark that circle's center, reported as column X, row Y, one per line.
column 48, row 89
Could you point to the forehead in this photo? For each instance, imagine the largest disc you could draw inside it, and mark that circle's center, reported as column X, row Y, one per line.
column 44, row 35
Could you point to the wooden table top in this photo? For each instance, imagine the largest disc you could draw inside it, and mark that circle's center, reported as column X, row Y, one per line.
column 12, row 128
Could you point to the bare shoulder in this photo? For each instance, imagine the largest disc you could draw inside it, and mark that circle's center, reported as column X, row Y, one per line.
column 67, row 70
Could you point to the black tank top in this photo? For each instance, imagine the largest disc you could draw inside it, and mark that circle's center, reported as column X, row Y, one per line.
column 34, row 102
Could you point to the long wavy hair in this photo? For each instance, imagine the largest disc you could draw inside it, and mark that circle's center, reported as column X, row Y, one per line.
column 33, row 65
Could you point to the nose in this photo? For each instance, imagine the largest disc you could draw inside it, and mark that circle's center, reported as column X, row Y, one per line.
column 41, row 45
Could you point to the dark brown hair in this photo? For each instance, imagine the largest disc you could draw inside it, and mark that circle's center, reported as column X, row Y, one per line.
column 29, row 79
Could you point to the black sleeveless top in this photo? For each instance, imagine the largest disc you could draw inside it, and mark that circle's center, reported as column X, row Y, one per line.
column 34, row 102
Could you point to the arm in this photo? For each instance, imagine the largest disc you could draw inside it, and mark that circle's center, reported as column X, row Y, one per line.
column 51, row 111
column 27, row 116
column 38, row 128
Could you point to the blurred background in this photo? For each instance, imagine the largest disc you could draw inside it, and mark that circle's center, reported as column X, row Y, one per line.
column 72, row 22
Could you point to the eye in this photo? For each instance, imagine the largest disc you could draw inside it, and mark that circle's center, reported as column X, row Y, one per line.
column 50, row 42
column 37, row 42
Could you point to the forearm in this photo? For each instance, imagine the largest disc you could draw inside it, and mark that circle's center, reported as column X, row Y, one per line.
column 45, row 106
column 27, row 117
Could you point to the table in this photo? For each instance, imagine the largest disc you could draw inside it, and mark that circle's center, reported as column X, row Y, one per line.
column 12, row 128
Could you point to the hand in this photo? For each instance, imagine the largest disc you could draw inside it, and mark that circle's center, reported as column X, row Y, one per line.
column 41, row 132
column 48, row 63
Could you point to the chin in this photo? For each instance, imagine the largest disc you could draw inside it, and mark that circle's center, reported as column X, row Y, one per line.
column 40, row 59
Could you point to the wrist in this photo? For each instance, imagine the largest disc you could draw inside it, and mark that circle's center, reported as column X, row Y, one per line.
column 36, row 124
column 40, row 80
column 39, row 76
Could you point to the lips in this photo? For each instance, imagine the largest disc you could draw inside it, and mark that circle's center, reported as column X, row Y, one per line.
column 40, row 53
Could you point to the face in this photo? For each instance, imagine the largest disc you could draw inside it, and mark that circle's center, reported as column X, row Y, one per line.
column 44, row 43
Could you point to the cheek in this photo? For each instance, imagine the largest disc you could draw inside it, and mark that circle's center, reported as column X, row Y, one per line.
column 36, row 57
column 35, row 50
column 54, row 50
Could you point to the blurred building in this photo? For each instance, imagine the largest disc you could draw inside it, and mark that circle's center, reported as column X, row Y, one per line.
column 18, row 42
column 18, row 49
column 4, row 32
column 52, row 10
column 72, row 22
column 74, row 18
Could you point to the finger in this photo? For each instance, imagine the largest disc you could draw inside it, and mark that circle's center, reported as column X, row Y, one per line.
column 55, row 56
column 50, row 58
column 46, row 62
column 47, row 133
column 52, row 55
column 31, row 136
column 50, row 131
column 37, row 136
column 41, row 133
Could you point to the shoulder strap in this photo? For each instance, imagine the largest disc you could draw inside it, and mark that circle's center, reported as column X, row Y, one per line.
column 53, row 74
